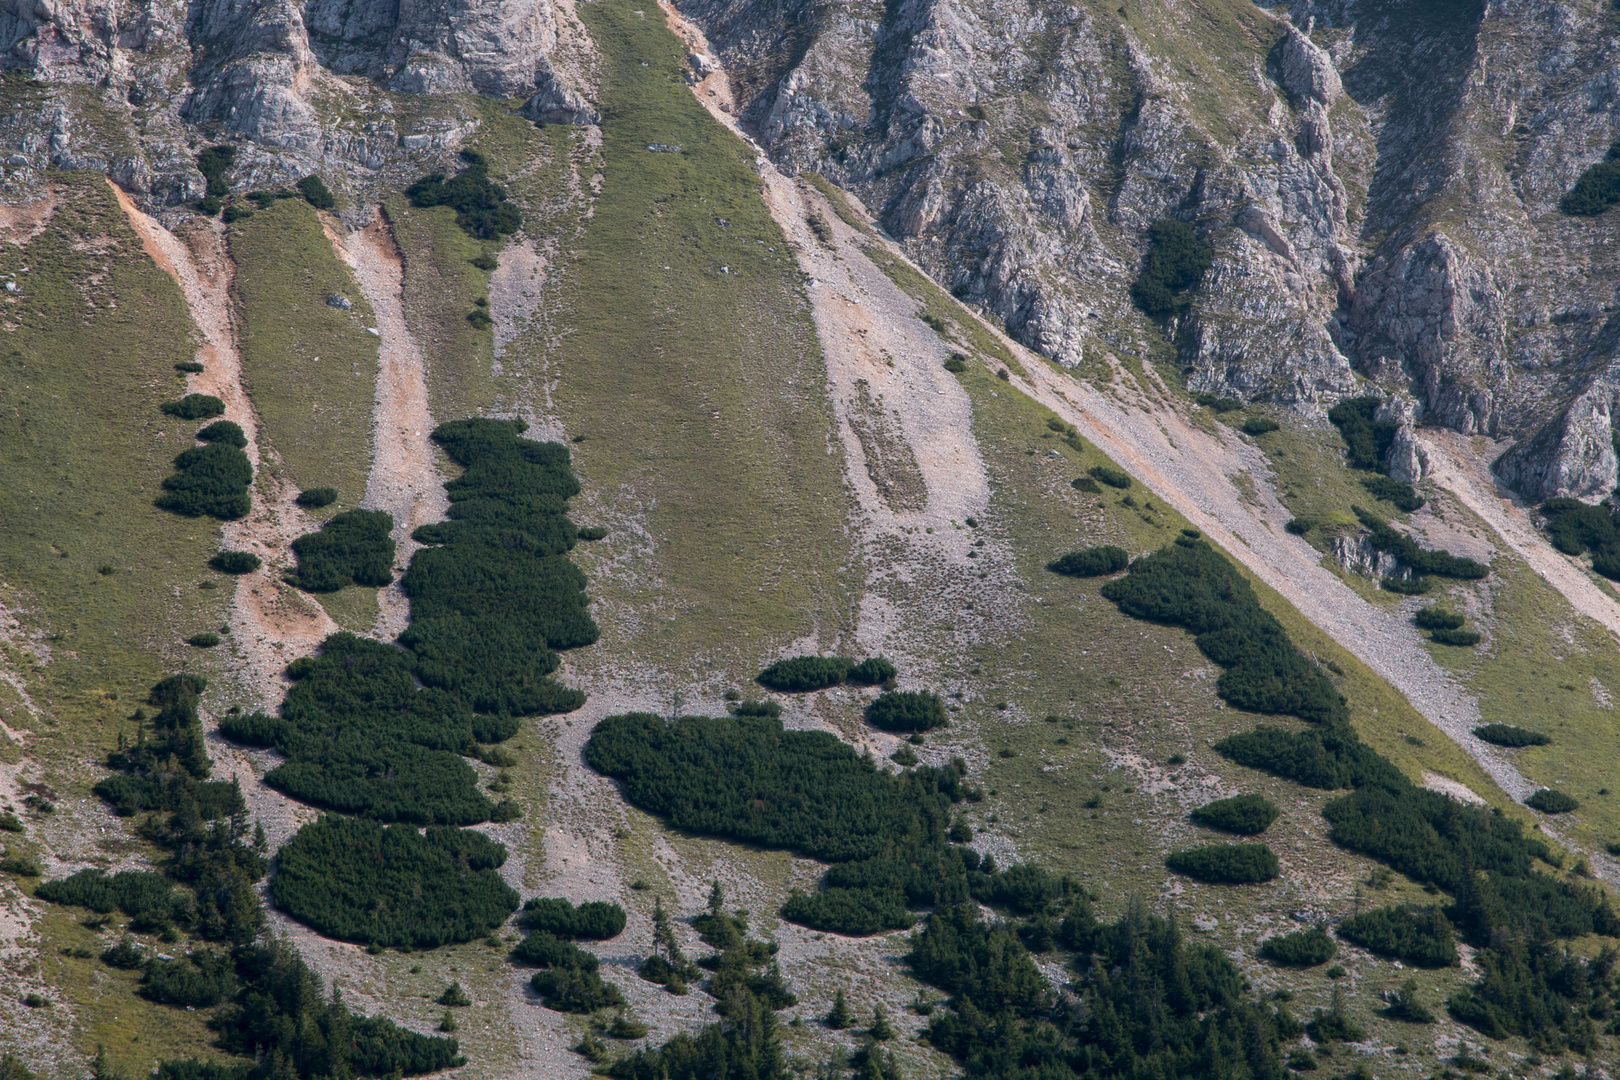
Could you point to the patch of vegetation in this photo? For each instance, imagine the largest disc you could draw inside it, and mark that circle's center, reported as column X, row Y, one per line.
column 1260, row 426
column 803, row 673
column 360, row 737
column 309, row 367
column 1085, row 484
column 205, row 640
column 1091, row 562
column 906, row 711
column 480, row 204
column 228, row 432
column 1551, row 801
column 594, row 532
column 1437, row 618
column 316, row 497
column 1176, row 261
column 211, row 480
column 212, row 163
column 1187, row 1014
column 1597, row 189
column 1412, row 934
column 1510, row 735
column 1461, row 638
column 235, row 562
column 1225, row 864
column 189, row 367
column 873, row 671
column 1304, row 948
column 1190, row 585
column 1421, row 560
column 1111, row 476
column 594, row 920
column 1366, row 440
column 316, row 193
column 1406, row 586
column 354, row 548
column 1401, row 494
column 1301, row 525
column 195, row 407
column 1574, row 527
column 1244, row 815
column 361, row 881
column 498, row 596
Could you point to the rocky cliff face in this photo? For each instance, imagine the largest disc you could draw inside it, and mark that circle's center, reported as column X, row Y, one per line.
column 1379, row 179
column 365, row 90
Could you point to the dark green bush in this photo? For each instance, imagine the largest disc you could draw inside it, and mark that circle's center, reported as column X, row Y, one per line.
column 212, row 479
column 1304, row 948
column 1420, row 559
column 1366, row 440
column 235, row 562
column 956, row 363
column 200, row 981
column 212, row 163
column 873, row 671
column 1111, row 476
column 594, row 920
column 1301, row 525
column 10, row 823
column 360, row 737
column 134, row 892
column 1597, row 189
column 1091, row 562
column 195, row 407
column 316, row 193
column 574, row 990
column 355, row 547
column 205, row 640
column 480, row 203
column 595, row 532
column 906, row 710
column 190, row 367
column 1175, row 264
column 1221, row 405
column 480, row 318
column 361, row 881
column 804, row 673
column 1402, row 494
column 316, row 497
column 491, row 606
column 127, row 954
column 1510, row 736
column 1244, row 815
column 1190, row 585
column 1549, row 801
column 1462, row 638
column 1225, row 864
column 228, row 432
column 1086, row 484
column 1407, row 586
column 542, row 948
column 210, row 205
column 1437, row 618
column 1259, row 426
column 1420, row 936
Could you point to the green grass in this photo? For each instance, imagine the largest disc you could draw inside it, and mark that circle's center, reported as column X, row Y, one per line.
column 353, row 608
column 440, row 285
column 1536, row 670
column 698, row 390
column 310, row 368
column 95, row 331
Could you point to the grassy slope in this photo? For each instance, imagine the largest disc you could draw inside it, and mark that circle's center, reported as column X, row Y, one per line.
column 310, row 367
column 699, row 388
column 95, row 330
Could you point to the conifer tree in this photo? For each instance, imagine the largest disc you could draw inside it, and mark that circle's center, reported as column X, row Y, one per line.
column 839, row 1019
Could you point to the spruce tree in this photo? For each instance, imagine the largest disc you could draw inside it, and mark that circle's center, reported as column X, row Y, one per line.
column 839, row 1019
column 880, row 1029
